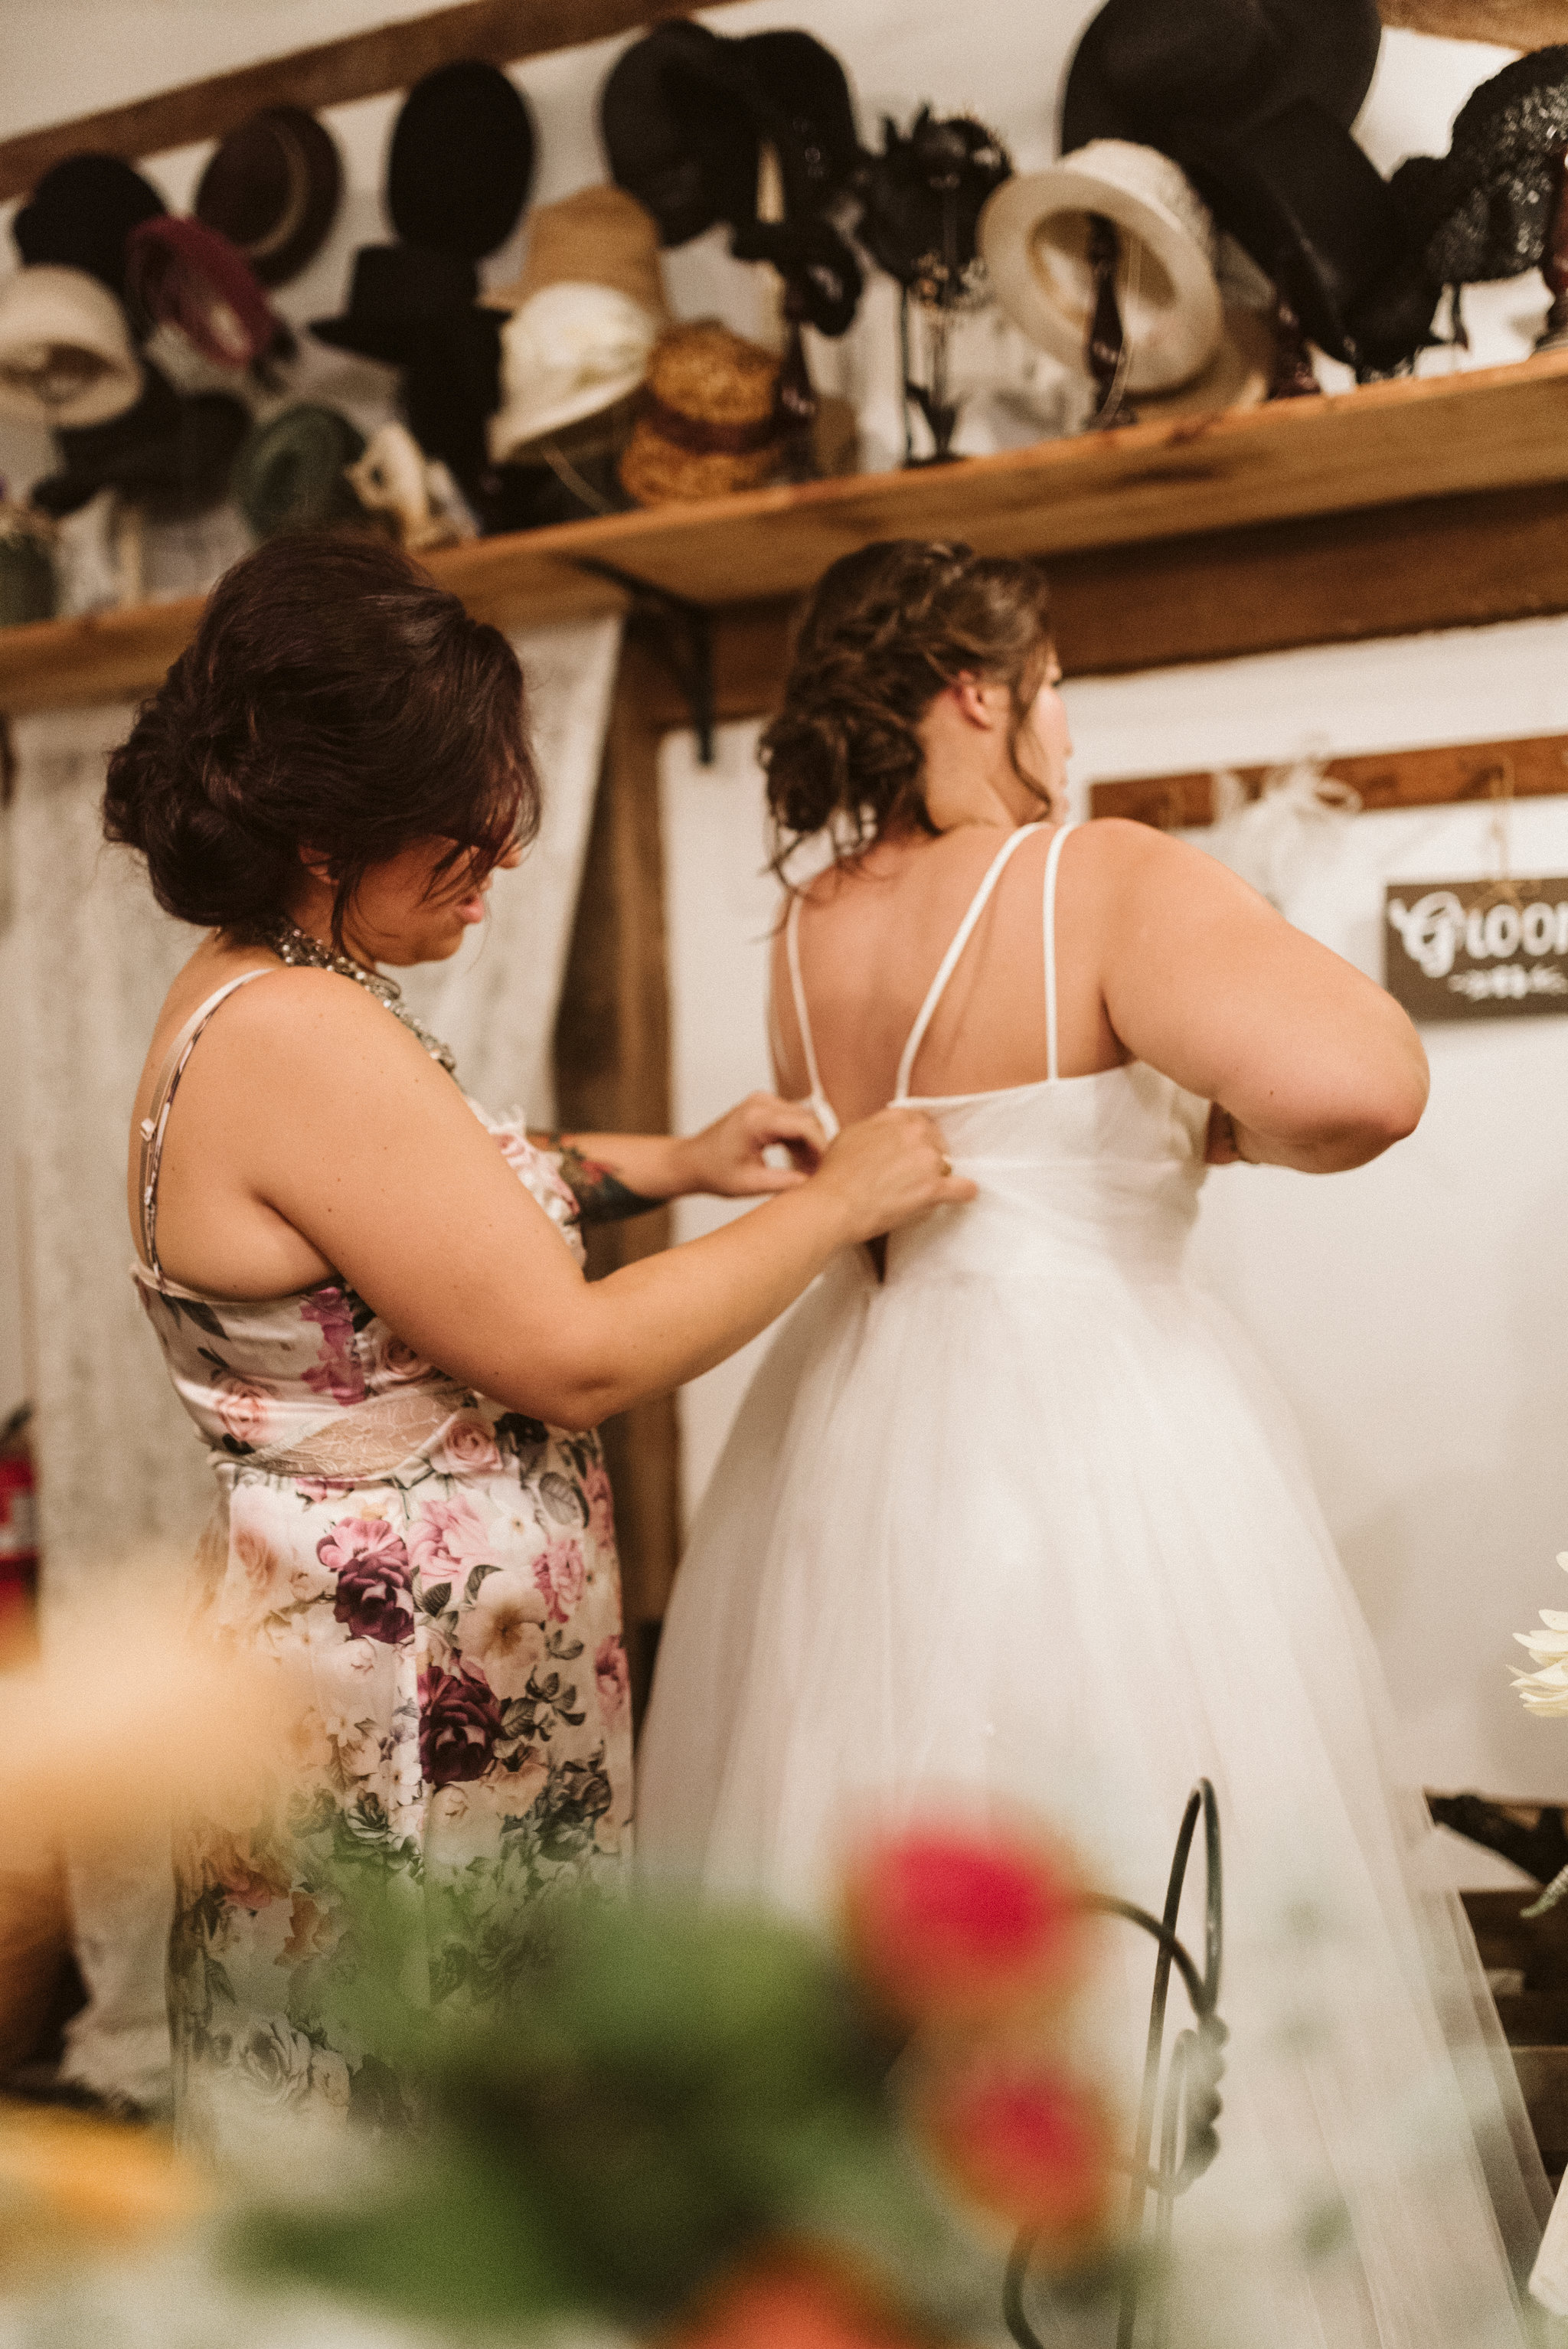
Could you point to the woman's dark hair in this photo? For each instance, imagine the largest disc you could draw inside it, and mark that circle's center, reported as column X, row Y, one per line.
column 333, row 701
column 888, row 628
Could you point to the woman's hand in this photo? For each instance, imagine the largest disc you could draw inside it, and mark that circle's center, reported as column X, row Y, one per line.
column 727, row 1158
column 890, row 1169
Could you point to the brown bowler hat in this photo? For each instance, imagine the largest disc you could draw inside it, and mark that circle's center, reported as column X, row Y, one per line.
column 272, row 189
column 709, row 420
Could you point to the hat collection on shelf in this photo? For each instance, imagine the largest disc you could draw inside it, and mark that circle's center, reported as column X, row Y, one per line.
column 150, row 345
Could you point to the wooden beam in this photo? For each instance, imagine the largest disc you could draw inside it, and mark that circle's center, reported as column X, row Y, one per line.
column 1527, row 766
column 364, row 65
column 1438, row 563
column 612, row 1075
column 1510, row 23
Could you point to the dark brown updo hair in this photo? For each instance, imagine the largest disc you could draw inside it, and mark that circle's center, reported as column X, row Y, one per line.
column 887, row 629
column 333, row 701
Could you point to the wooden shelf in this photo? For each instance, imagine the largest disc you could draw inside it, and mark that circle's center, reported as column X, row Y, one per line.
column 1399, row 506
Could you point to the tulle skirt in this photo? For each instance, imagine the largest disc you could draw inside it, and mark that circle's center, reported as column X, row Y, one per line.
column 1051, row 1542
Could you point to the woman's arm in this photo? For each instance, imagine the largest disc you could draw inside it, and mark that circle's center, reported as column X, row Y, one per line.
column 614, row 1176
column 335, row 1119
column 1318, row 1068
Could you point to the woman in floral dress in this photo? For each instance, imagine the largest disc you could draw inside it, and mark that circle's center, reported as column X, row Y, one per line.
column 370, row 1297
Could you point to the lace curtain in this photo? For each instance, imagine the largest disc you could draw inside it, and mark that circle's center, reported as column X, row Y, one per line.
column 121, row 1474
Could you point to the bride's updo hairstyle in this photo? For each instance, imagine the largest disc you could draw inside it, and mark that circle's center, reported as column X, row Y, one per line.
column 888, row 628
column 333, row 701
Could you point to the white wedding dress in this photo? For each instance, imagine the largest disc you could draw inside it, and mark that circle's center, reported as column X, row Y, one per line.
column 1026, row 1522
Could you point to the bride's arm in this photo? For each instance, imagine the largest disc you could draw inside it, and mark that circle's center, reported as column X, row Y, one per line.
column 1317, row 1066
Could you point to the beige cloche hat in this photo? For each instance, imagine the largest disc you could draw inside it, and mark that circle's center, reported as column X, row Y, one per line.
column 586, row 315
column 1034, row 237
column 66, row 354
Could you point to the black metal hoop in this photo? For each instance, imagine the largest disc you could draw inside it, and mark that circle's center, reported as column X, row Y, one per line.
column 1187, row 2107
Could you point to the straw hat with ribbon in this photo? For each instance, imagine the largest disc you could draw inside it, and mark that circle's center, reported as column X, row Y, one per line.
column 182, row 272
column 709, row 421
column 1034, row 239
column 272, row 189
column 586, row 313
column 65, row 353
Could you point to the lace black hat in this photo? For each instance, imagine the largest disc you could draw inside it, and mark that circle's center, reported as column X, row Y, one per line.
column 1484, row 210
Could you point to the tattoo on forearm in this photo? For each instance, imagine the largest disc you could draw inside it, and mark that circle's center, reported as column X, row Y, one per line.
column 602, row 1198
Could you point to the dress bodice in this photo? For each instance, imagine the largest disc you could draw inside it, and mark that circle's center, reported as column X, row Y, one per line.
column 317, row 1377
column 1078, row 1176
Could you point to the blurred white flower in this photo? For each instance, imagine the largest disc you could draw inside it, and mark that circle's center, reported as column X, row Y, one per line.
column 1546, row 1691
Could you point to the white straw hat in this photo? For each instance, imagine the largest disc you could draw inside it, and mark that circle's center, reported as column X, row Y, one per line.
column 586, row 312
column 66, row 354
column 1033, row 235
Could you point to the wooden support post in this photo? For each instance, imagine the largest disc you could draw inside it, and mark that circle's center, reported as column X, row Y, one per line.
column 612, row 1075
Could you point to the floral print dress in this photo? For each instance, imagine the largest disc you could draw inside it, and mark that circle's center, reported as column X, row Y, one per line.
column 435, row 1579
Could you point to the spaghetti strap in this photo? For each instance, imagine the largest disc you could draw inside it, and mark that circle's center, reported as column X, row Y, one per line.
column 949, row 962
column 155, row 1123
column 1053, row 1068
column 818, row 1099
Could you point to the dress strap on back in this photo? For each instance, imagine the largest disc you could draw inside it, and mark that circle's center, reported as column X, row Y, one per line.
column 155, row 1123
column 818, row 1099
column 949, row 962
column 1053, row 1069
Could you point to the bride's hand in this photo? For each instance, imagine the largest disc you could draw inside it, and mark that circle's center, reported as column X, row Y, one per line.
column 890, row 1169
column 726, row 1159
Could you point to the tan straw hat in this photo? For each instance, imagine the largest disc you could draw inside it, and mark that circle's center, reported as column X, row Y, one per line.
column 66, row 355
column 708, row 422
column 1034, row 237
column 586, row 315
column 1240, row 374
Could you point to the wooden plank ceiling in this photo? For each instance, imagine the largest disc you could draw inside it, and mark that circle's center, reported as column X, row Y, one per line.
column 364, row 65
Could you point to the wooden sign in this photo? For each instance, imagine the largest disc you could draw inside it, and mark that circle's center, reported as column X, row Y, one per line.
column 1477, row 949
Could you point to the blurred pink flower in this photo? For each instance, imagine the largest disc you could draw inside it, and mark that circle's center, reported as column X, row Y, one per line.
column 244, row 1405
column 469, row 1448
column 560, row 1574
column 614, row 1679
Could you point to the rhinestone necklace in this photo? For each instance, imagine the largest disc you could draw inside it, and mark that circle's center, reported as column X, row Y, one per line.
column 292, row 945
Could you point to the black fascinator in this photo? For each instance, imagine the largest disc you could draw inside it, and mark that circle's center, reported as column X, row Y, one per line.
column 920, row 204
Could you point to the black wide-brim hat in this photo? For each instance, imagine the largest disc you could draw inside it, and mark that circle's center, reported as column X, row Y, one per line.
column 170, row 454
column 1235, row 62
column 1254, row 100
column 461, row 161
column 272, row 189
column 80, row 214
column 683, row 116
column 400, row 297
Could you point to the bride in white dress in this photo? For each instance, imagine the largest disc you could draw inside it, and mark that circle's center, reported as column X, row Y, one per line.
column 1016, row 1512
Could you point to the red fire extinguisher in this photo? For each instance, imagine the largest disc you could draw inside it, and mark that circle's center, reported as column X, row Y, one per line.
column 18, row 1523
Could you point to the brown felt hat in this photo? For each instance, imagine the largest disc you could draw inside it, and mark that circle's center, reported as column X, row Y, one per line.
column 709, row 422
column 272, row 189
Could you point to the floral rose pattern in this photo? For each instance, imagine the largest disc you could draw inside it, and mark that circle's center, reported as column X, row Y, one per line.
column 448, row 1638
column 375, row 1593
